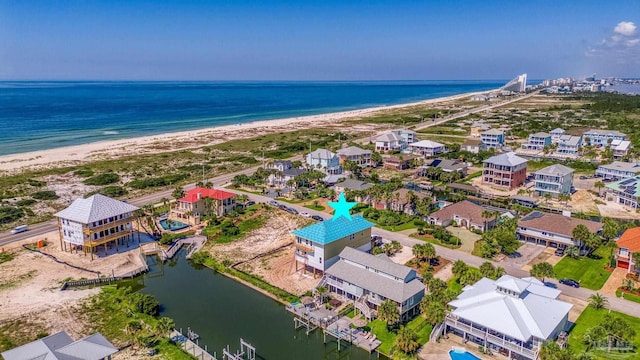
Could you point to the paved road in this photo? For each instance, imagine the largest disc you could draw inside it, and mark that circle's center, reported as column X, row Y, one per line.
column 624, row 306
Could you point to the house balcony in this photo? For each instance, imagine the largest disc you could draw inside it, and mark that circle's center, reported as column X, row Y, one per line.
column 303, row 247
column 526, row 350
column 107, row 226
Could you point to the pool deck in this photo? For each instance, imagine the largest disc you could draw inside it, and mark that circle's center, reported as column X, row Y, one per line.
column 440, row 350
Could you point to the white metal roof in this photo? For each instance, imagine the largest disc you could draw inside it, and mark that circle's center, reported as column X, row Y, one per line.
column 427, row 144
column 535, row 312
column 554, row 170
column 506, row 159
column 94, row 208
column 388, row 137
column 321, row 154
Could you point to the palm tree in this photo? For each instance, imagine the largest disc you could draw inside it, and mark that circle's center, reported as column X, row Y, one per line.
column 598, row 185
column 133, row 326
column 542, row 270
column 164, row 325
column 628, row 284
column 429, row 252
column 486, row 214
column 321, row 291
column 388, row 312
column 407, row 340
column 598, row 301
column 459, row 268
column 580, row 234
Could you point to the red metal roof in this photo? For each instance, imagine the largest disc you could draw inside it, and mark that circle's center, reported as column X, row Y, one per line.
column 630, row 240
column 191, row 196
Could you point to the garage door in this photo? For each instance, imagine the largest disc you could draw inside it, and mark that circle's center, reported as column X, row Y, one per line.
column 623, row 264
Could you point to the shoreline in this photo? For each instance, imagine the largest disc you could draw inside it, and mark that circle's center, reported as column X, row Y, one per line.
column 117, row 148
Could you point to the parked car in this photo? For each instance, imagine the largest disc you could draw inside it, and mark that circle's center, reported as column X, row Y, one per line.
column 292, row 211
column 283, row 207
column 582, row 177
column 559, row 252
column 305, row 214
column 570, row 282
column 273, row 203
column 317, row 218
column 249, row 203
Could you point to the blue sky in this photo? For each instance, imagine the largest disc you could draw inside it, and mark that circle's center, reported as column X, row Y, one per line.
column 317, row 40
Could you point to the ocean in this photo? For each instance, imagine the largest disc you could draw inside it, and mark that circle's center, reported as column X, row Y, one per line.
column 45, row 115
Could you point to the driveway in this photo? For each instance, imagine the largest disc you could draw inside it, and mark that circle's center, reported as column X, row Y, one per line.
column 527, row 253
column 467, row 238
column 614, row 281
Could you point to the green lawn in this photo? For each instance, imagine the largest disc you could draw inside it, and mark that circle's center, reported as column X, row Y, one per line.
column 316, row 208
column 455, row 285
column 589, row 271
column 406, row 226
column 588, row 319
column 388, row 339
column 434, row 241
column 630, row 297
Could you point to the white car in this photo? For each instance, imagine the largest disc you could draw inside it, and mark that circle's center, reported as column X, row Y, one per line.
column 305, row 214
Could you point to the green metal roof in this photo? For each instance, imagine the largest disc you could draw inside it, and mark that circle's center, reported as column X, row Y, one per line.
column 629, row 186
column 328, row 231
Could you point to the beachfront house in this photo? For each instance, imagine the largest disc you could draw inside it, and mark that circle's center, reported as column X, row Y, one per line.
column 510, row 316
column 599, row 137
column 94, row 221
column 556, row 134
column 427, row 148
column 553, row 230
column 628, row 244
column 324, row 160
column 625, row 192
column 199, row 202
column 317, row 246
column 60, row 346
column 506, row 170
column 553, row 180
column 493, row 138
column 359, row 156
column 464, row 214
column 473, row 146
column 390, row 141
column 369, row 280
column 620, row 148
column 537, row 142
column 618, row 170
column 568, row 146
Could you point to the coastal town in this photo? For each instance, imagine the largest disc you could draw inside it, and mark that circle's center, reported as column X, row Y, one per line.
column 501, row 224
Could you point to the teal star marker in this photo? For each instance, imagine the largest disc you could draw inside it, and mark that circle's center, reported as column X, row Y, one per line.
column 341, row 207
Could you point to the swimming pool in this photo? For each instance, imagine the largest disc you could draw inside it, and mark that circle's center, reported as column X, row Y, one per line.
column 460, row 354
column 172, row 225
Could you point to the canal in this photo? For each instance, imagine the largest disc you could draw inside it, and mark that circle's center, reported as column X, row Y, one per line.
column 222, row 311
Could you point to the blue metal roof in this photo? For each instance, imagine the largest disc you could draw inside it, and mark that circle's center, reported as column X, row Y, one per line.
column 328, row 231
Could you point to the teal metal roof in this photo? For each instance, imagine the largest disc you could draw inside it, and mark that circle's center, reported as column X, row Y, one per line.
column 328, row 231
column 630, row 186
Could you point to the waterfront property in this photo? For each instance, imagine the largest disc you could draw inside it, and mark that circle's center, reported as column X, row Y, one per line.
column 473, row 146
column 628, row 244
column 94, row 221
column 568, row 146
column 368, row 280
column 324, row 160
column 553, row 180
column 625, row 192
column 427, row 148
column 60, row 346
column 199, row 202
column 599, row 137
column 552, row 229
column 493, row 139
column 511, row 316
column 505, row 170
column 317, row 246
column 359, row 156
column 537, row 141
column 464, row 214
column 618, row 170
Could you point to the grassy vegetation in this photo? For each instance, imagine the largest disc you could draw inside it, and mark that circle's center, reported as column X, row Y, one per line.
column 227, row 231
column 6, row 256
column 628, row 296
column 19, row 332
column 314, row 207
column 589, row 271
column 430, row 239
column 388, row 338
column 405, row 117
column 591, row 317
column 126, row 317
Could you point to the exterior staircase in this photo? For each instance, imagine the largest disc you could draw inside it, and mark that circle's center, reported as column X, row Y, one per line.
column 361, row 304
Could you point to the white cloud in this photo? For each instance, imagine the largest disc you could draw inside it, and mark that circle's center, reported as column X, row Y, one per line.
column 626, row 28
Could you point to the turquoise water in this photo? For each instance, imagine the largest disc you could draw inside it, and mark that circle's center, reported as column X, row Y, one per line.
column 462, row 356
column 44, row 115
column 172, row 225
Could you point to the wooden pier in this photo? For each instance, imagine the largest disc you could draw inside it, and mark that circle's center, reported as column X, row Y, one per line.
column 193, row 243
column 246, row 352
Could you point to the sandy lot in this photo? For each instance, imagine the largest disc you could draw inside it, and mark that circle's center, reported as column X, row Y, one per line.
column 583, row 201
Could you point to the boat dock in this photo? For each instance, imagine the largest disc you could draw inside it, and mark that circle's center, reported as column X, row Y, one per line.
column 246, row 352
column 193, row 243
column 332, row 324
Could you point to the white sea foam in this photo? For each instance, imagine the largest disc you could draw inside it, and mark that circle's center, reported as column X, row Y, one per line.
column 110, row 132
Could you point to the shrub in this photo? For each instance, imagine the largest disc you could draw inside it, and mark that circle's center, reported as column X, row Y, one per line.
column 10, row 214
column 36, row 183
column 103, row 179
column 145, row 303
column 25, row 202
column 113, row 191
column 45, row 195
column 157, row 181
column 83, row 172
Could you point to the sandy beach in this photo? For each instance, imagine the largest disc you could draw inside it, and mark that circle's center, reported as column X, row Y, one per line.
column 188, row 139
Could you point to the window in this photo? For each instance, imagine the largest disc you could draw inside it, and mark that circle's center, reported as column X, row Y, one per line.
column 320, row 260
column 352, row 236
